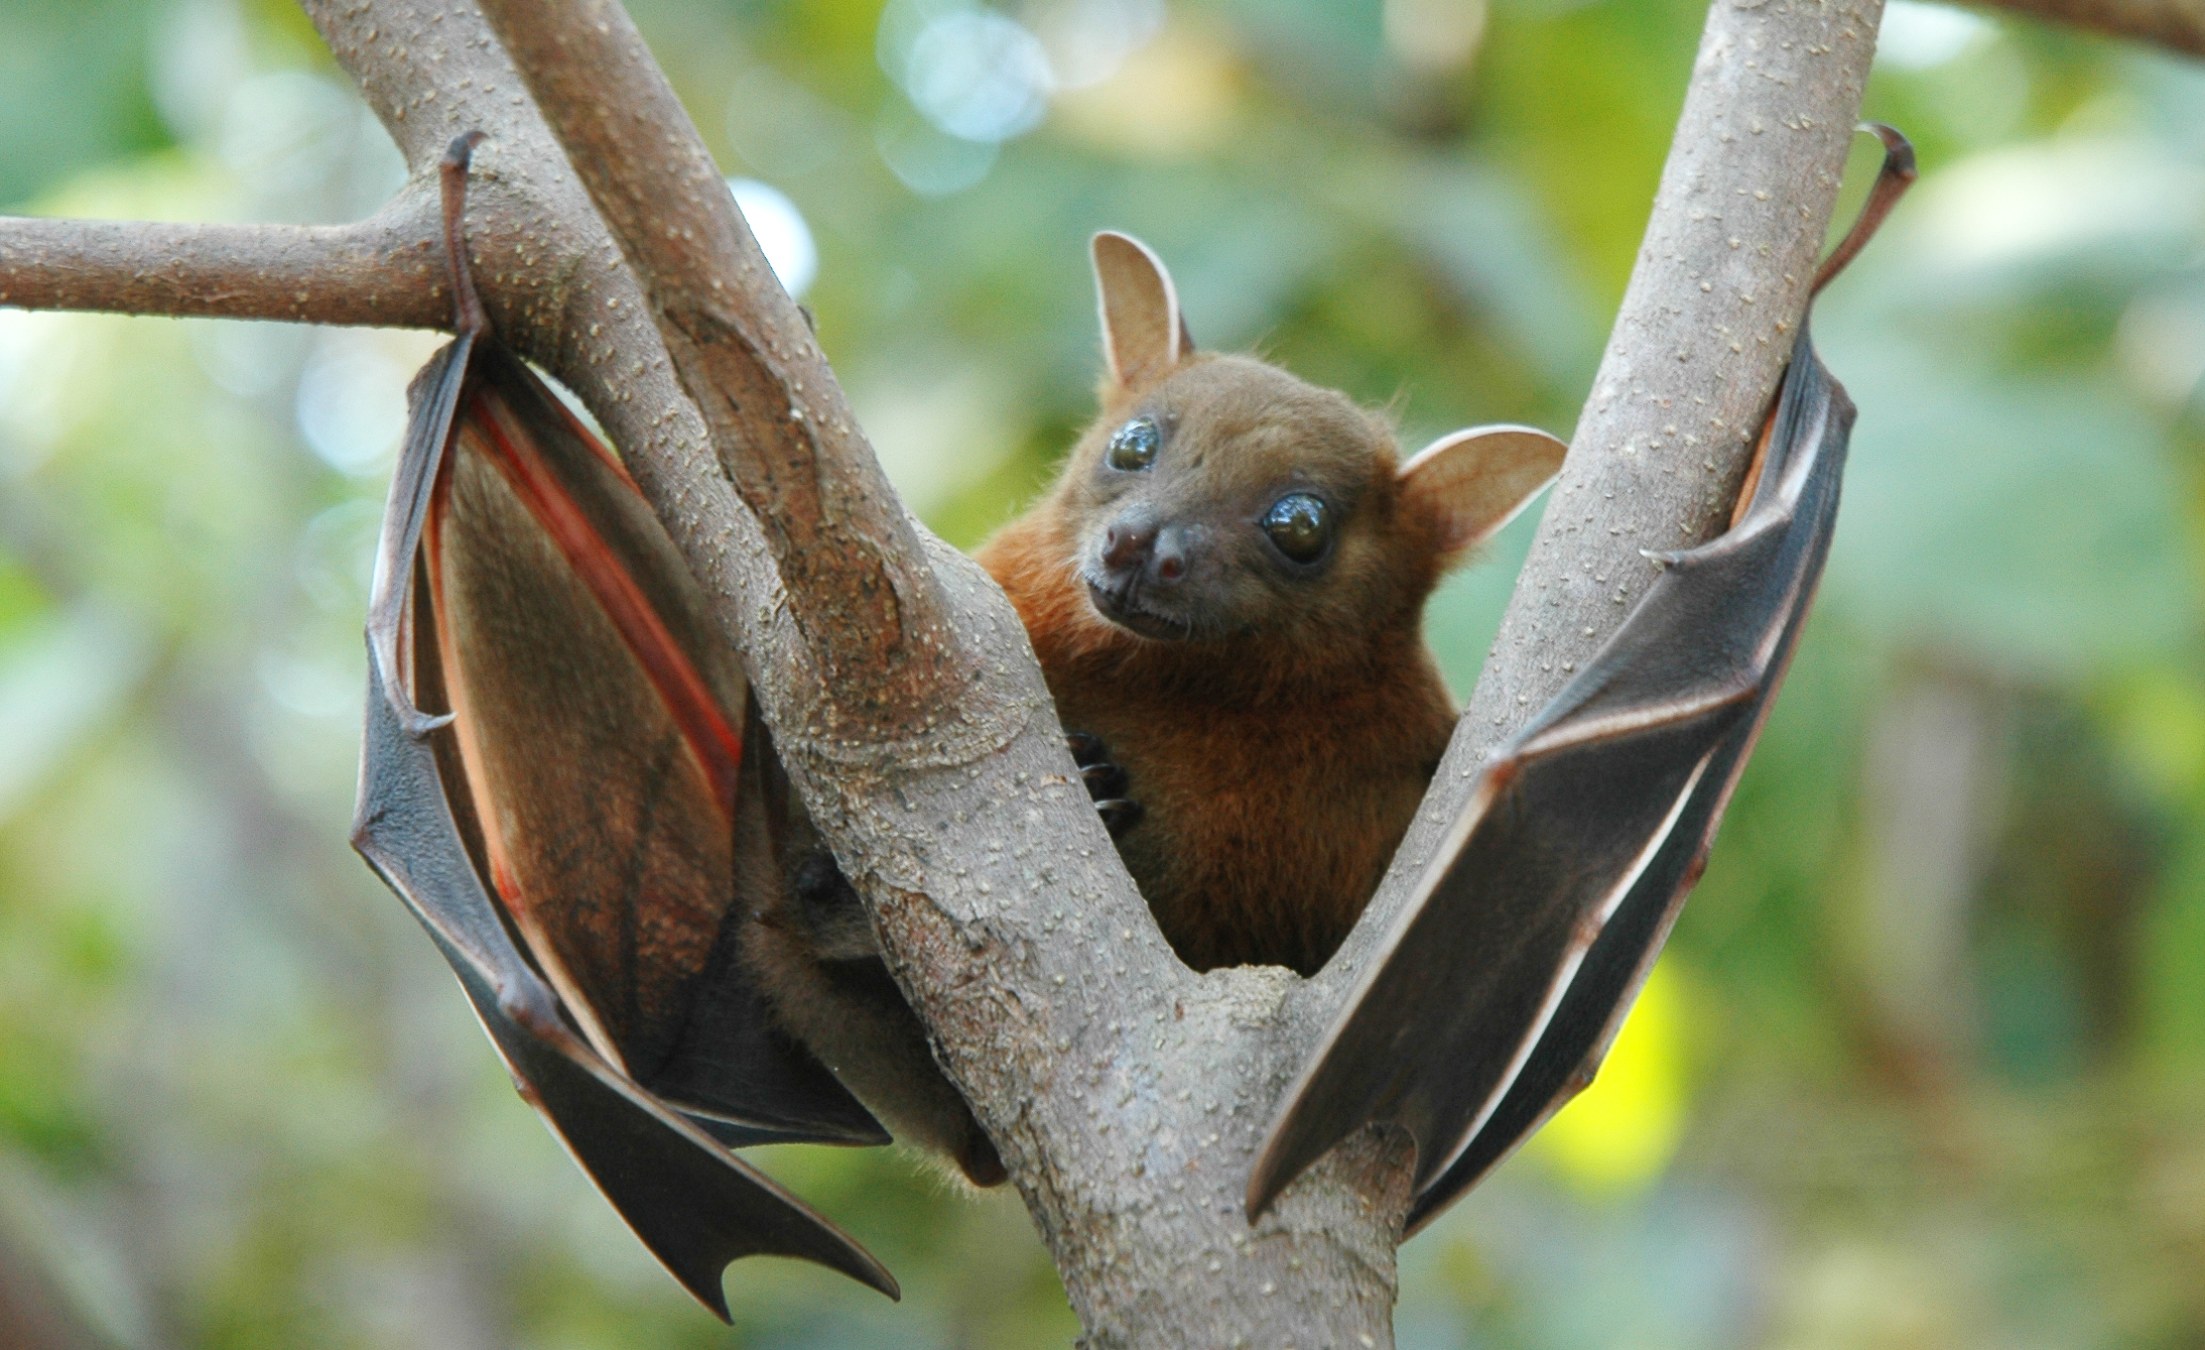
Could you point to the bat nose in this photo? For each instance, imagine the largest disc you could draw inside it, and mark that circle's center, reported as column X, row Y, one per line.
column 1127, row 543
column 1135, row 547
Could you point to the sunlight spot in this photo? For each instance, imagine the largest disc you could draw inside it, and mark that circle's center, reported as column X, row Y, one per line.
column 1621, row 1132
column 781, row 232
column 1917, row 36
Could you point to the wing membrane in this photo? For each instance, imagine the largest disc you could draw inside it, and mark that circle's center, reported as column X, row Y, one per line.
column 1531, row 931
column 1608, row 979
column 1507, row 974
column 551, row 781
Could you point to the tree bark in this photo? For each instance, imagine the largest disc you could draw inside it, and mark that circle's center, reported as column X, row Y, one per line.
column 2175, row 24
column 848, row 554
column 1690, row 368
column 1127, row 1095
column 387, row 270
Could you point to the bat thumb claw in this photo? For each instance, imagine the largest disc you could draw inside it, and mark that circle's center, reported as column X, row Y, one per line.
column 411, row 720
column 419, row 724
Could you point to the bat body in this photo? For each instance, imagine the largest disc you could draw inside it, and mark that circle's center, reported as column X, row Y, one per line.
column 1226, row 587
column 565, row 779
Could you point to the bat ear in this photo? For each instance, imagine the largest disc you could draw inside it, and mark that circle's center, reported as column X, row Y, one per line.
column 1474, row 481
column 1144, row 335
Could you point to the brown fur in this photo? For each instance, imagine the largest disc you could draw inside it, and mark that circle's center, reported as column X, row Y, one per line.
column 1279, row 751
column 1277, row 736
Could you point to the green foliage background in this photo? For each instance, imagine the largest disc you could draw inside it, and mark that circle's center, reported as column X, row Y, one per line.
column 1925, row 1064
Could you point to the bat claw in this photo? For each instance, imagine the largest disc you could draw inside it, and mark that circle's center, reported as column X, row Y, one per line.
column 419, row 724
column 1119, row 815
column 411, row 720
column 1106, row 782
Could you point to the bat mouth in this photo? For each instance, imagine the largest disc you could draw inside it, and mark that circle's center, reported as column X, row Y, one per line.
column 1123, row 605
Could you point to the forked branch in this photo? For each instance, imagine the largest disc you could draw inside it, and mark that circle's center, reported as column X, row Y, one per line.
column 1104, row 1070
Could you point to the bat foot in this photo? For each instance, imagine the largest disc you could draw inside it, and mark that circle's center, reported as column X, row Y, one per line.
column 979, row 1161
column 829, row 911
column 1106, row 783
column 1119, row 815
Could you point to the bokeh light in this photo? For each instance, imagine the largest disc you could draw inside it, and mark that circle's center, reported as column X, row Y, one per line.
column 781, row 233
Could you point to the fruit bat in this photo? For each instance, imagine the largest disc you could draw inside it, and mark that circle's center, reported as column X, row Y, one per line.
column 1501, row 983
column 560, row 780
column 565, row 780
column 1225, row 588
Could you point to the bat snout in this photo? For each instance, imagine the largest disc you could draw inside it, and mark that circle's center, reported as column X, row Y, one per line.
column 1137, row 550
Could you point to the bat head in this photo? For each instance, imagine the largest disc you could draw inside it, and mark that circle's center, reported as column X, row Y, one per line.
column 1219, row 497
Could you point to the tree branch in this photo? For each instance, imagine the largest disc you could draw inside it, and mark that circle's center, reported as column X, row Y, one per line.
column 1127, row 1095
column 2176, row 24
column 846, row 549
column 1690, row 368
column 386, row 271
column 1101, row 1067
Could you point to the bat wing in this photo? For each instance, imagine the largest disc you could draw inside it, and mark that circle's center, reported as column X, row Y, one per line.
column 1505, row 978
column 1526, row 938
column 554, row 782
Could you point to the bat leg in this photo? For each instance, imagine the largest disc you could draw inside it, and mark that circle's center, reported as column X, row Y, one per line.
column 1106, row 782
column 826, row 906
column 811, row 946
column 813, row 951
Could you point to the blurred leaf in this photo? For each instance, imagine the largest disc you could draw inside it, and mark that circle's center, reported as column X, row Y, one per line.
column 72, row 89
column 1492, row 242
column 2033, row 524
column 2172, row 946
column 1618, row 1134
column 61, row 680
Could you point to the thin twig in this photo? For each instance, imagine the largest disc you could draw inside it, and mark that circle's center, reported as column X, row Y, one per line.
column 2175, row 24
column 385, row 271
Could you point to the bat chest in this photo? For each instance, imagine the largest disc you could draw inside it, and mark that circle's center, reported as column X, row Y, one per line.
column 1263, row 835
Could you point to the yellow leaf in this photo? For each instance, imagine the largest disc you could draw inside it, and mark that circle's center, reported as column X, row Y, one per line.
column 1620, row 1133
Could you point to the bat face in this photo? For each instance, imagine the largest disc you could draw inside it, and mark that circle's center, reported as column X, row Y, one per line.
column 1232, row 498
column 553, row 780
column 1221, row 499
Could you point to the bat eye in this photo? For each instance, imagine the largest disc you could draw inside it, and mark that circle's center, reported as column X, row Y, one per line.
column 1133, row 447
column 1300, row 526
